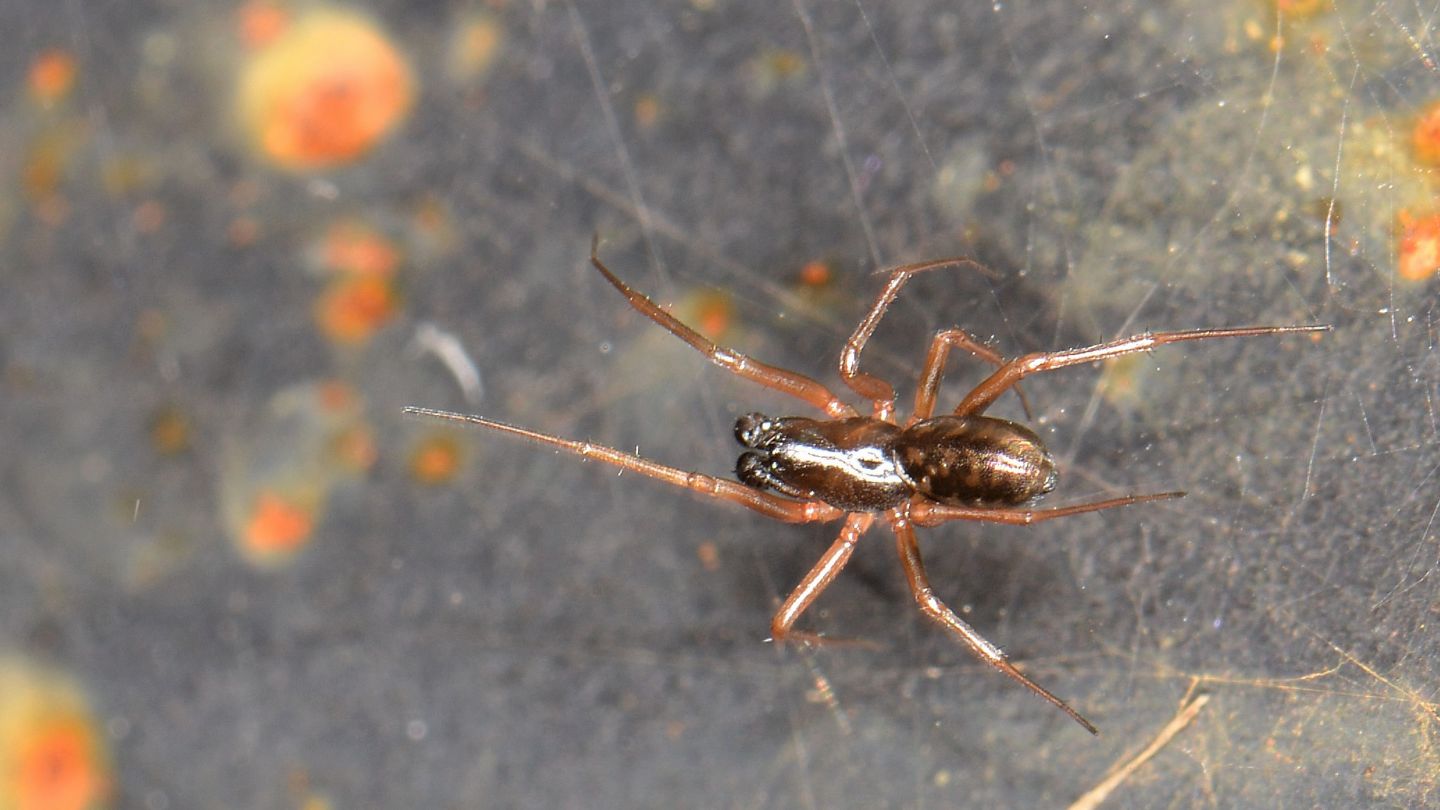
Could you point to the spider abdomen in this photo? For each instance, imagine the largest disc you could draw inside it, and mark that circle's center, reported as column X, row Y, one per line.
column 975, row 461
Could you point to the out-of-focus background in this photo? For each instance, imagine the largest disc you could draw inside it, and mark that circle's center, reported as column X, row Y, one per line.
column 237, row 238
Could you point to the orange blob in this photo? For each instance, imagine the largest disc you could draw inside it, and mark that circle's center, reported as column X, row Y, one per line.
column 353, row 308
column 261, row 22
column 351, row 247
column 45, row 164
column 1419, row 250
column 52, row 756
column 647, row 111
column 149, row 217
column 1425, row 137
column 354, row 449
column 243, row 231
column 815, row 274
column 713, row 314
column 52, row 76
column 474, row 47
column 325, row 92
column 1302, row 8
column 337, row 397
column 435, row 459
column 709, row 555
column 277, row 527
column 169, row 431
column 56, row 768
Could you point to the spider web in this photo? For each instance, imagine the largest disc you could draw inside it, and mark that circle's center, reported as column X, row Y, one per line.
column 546, row 633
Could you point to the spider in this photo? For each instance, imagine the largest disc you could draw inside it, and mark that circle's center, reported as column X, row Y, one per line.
column 925, row 471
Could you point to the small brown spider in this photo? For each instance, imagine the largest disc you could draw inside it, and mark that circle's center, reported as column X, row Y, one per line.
column 931, row 470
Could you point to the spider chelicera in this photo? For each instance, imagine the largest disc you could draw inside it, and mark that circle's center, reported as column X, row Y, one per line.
column 927, row 471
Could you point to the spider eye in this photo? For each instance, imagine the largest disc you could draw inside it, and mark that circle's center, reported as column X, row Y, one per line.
column 751, row 471
column 751, row 428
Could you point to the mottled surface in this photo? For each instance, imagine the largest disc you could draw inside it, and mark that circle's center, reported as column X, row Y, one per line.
column 216, row 527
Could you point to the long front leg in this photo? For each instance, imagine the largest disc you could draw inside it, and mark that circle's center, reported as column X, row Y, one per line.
column 1011, row 373
column 879, row 392
column 783, row 380
column 767, row 504
column 937, row 610
column 818, row 579
column 934, row 369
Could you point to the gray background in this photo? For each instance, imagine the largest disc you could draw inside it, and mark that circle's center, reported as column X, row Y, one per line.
column 543, row 633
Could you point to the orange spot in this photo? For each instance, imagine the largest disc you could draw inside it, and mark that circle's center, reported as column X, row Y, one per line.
column 243, row 231
column 431, row 226
column 1425, row 137
column 647, row 111
column 169, row 431
column 351, row 247
column 325, row 92
column 1301, row 8
column 713, row 314
column 277, row 526
column 52, row 75
column 354, row 448
column 261, row 23
column 56, row 768
column 815, row 274
column 52, row 755
column 44, row 166
column 435, row 459
column 336, row 396
column 474, row 47
column 353, row 308
column 1419, row 250
column 149, row 216
column 709, row 555
column 1120, row 380
column 785, row 63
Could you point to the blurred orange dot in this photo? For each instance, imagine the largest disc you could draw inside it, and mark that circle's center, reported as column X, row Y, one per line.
column 712, row 313
column 260, row 22
column 325, row 92
column 277, row 526
column 57, row 769
column 336, row 396
column 647, row 111
column 169, row 431
column 1301, row 8
column 815, row 274
column 1425, row 137
column 354, row 248
column 1419, row 250
column 474, row 46
column 353, row 308
column 52, row 75
column 354, row 448
column 435, row 459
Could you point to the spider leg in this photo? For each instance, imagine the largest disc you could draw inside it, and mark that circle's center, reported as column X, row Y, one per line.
column 937, row 610
column 940, row 346
column 881, row 393
column 818, row 579
column 789, row 382
column 929, row 513
column 1012, row 372
column 767, row 504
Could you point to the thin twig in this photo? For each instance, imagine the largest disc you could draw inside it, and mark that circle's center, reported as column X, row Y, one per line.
column 1100, row 792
